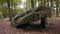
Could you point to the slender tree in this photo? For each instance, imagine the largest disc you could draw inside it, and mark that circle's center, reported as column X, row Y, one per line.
column 51, row 1
column 44, row 2
column 10, row 13
column 41, row 2
column 1, row 2
column 48, row 2
column 57, row 8
column 32, row 3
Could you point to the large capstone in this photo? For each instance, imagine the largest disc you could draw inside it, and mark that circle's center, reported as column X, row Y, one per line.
column 32, row 15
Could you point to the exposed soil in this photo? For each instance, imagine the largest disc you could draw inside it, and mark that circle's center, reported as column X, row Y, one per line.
column 54, row 28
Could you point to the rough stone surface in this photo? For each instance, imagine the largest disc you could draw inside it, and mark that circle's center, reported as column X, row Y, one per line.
column 32, row 15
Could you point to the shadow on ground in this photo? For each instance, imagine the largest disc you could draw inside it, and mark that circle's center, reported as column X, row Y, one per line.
column 34, row 27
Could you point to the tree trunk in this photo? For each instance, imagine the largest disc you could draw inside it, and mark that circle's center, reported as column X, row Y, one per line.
column 51, row 1
column 41, row 2
column 32, row 3
column 10, row 13
column 35, row 2
column 2, row 10
column 5, row 12
column 48, row 2
column 15, row 10
column 57, row 8
column 44, row 2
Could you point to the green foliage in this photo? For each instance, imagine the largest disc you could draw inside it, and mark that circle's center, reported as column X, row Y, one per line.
column 27, row 5
column 15, row 2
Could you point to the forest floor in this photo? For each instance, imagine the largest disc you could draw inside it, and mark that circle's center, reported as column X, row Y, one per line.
column 7, row 28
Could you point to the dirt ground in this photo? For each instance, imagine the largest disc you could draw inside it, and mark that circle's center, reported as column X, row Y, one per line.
column 7, row 28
